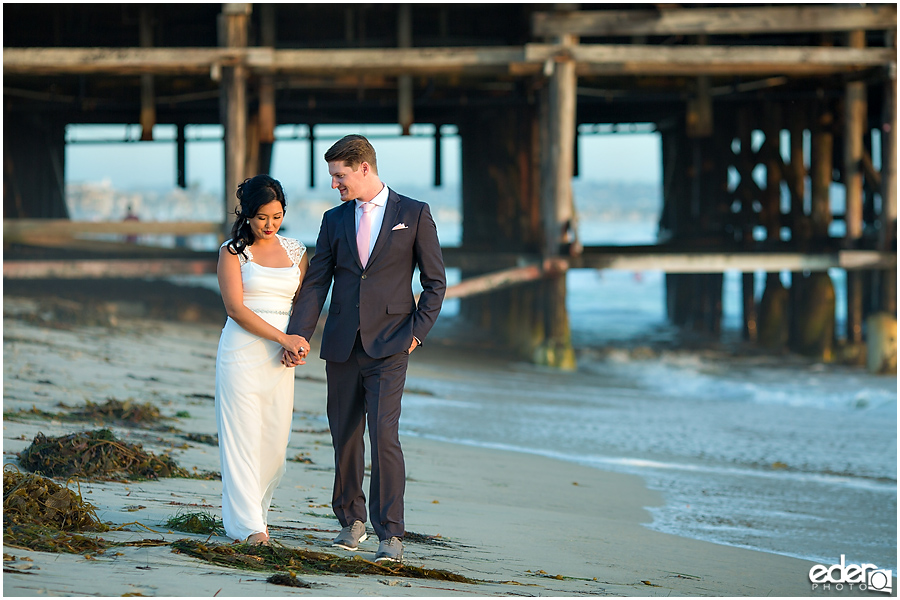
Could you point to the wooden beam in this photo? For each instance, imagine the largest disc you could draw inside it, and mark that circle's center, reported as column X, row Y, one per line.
column 719, row 262
column 202, row 61
column 180, row 156
column 624, row 59
column 97, row 269
column 148, row 97
column 117, row 61
column 557, row 158
column 233, row 26
column 661, row 258
column 639, row 259
column 887, row 218
column 681, row 21
column 591, row 59
column 483, row 284
column 855, row 115
column 869, row 170
column 887, row 235
column 820, row 172
column 391, row 61
column 266, row 111
column 19, row 229
column 405, row 116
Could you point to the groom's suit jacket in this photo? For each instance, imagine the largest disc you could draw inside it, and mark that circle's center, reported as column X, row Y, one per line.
column 376, row 301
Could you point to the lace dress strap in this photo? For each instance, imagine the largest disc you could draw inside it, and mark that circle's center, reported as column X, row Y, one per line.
column 294, row 248
column 244, row 257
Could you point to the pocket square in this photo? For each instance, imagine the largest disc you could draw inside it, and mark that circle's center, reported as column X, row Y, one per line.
column 399, row 226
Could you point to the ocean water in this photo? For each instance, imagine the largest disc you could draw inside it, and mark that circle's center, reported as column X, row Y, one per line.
column 774, row 453
column 778, row 455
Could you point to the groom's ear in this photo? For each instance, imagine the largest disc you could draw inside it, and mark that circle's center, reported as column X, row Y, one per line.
column 364, row 167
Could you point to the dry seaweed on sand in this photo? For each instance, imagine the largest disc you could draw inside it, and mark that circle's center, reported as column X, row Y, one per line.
column 29, row 498
column 280, row 558
column 128, row 412
column 288, row 579
column 40, row 514
column 97, row 455
column 196, row 522
column 33, row 412
column 202, row 438
column 429, row 540
column 45, row 539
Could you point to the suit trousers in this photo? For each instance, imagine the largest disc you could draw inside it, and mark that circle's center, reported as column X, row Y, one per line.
column 368, row 390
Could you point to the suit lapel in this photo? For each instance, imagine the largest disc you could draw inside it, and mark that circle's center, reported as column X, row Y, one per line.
column 349, row 219
column 391, row 208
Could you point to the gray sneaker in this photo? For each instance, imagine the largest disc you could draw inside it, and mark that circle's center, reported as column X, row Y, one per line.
column 390, row 550
column 350, row 536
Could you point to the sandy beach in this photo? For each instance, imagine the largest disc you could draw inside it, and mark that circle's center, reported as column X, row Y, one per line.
column 520, row 524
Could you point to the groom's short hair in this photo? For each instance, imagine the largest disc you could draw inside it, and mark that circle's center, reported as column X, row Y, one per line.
column 353, row 150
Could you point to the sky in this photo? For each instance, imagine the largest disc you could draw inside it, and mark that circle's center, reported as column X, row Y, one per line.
column 632, row 157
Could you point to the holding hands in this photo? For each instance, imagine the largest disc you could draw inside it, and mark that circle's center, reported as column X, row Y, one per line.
column 295, row 350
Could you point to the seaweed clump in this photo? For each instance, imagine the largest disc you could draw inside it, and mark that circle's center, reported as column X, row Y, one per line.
column 128, row 412
column 288, row 579
column 40, row 514
column 203, row 438
column 198, row 522
column 97, row 455
column 280, row 558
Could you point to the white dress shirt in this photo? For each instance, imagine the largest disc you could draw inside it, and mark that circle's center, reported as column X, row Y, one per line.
column 380, row 200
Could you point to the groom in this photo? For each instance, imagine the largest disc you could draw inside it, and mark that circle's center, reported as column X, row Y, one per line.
column 369, row 246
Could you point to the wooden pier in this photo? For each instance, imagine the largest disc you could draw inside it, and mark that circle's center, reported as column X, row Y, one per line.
column 817, row 83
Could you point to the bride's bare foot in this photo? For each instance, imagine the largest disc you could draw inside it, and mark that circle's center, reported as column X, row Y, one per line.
column 258, row 539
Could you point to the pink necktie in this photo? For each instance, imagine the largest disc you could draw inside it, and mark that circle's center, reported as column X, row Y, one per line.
column 363, row 235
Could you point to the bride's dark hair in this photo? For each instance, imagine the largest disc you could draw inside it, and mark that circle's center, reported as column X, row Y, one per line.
column 252, row 194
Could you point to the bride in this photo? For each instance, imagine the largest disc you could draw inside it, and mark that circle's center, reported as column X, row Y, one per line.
column 260, row 273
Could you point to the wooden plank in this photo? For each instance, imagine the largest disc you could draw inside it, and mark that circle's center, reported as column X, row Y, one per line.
column 661, row 258
column 117, row 61
column 634, row 59
column 557, row 156
column 19, row 229
column 98, row 269
column 719, row 262
column 855, row 116
column 887, row 219
column 233, row 33
column 173, row 61
column 108, row 248
column 821, row 171
column 650, row 259
column 391, row 61
column 744, row 20
column 483, row 284
column 592, row 59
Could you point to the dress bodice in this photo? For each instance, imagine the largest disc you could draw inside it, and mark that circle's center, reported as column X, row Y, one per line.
column 270, row 290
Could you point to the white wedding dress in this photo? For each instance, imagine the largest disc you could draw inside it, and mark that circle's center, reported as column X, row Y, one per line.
column 255, row 396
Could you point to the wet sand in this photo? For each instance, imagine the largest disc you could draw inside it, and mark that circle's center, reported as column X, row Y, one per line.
column 522, row 524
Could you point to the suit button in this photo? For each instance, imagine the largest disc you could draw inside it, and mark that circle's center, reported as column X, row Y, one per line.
column 357, row 305
column 363, row 276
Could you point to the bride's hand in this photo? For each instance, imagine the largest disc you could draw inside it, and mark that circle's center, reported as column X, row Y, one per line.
column 295, row 344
